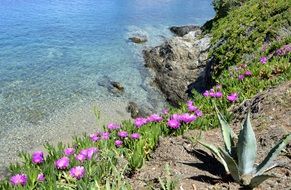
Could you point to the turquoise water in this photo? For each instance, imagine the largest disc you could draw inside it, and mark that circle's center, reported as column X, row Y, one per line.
column 54, row 52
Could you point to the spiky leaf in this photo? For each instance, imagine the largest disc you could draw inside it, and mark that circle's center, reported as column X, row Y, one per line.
column 246, row 148
column 257, row 180
column 274, row 152
column 231, row 164
column 216, row 152
column 227, row 133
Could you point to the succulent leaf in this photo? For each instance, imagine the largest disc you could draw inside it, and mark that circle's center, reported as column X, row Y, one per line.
column 274, row 152
column 216, row 152
column 257, row 180
column 246, row 148
column 227, row 133
column 231, row 164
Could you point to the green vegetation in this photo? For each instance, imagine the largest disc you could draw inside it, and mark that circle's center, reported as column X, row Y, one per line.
column 251, row 51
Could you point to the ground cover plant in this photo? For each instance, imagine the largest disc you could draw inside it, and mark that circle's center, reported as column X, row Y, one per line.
column 251, row 46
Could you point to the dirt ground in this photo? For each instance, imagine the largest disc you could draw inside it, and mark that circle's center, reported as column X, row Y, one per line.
column 195, row 168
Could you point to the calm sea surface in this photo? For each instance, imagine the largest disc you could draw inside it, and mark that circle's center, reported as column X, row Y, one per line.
column 53, row 53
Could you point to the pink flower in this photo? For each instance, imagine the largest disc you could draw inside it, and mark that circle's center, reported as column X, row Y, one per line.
column 212, row 93
column 218, row 94
column 69, row 151
column 173, row 124
column 232, row 97
column 77, row 172
column 18, row 179
column 241, row 77
column 105, row 135
column 198, row 113
column 135, row 135
column 248, row 73
column 138, row 122
column 191, row 107
column 154, row 118
column 94, row 137
column 122, row 134
column 165, row 111
column 263, row 60
column 62, row 163
column 176, row 117
column 81, row 157
column 206, row 93
column 90, row 152
column 113, row 126
column 187, row 118
column 37, row 157
column 40, row 177
column 118, row 143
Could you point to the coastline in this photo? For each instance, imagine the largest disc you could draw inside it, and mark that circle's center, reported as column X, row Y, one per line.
column 74, row 120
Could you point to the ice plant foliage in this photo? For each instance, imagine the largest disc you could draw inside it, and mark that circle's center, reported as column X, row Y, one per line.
column 239, row 159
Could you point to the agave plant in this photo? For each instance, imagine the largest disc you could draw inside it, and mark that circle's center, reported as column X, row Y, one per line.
column 239, row 159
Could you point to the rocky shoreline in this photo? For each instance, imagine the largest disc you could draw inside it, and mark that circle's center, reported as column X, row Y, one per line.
column 180, row 64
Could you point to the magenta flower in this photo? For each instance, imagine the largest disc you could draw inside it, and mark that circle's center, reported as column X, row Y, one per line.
column 90, row 152
column 105, row 135
column 118, row 143
column 241, row 77
column 212, row 93
column 37, row 157
column 77, row 172
column 165, row 111
column 135, row 135
column 18, row 179
column 248, row 73
column 62, row 163
column 94, row 137
column 40, row 177
column 138, row 122
column 263, row 60
column 232, row 97
column 113, row 126
column 176, row 117
column 206, row 93
column 69, row 151
column 199, row 113
column 81, row 157
column 191, row 107
column 218, row 94
column 122, row 134
column 173, row 124
column 187, row 118
column 154, row 118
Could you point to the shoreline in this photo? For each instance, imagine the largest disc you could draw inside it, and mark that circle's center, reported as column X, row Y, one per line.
column 72, row 121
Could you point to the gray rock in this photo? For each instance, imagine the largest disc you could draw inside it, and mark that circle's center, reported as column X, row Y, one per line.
column 183, row 30
column 136, row 111
column 179, row 66
column 138, row 39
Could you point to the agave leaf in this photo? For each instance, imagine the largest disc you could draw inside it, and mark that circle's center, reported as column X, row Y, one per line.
column 274, row 152
column 232, row 166
column 216, row 152
column 257, row 180
column 227, row 132
column 246, row 148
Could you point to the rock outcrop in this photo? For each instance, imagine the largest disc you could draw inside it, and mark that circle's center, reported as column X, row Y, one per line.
column 183, row 30
column 179, row 65
column 138, row 39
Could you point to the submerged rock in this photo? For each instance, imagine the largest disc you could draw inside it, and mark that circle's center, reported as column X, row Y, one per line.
column 112, row 86
column 138, row 39
column 183, row 30
column 179, row 65
column 136, row 111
